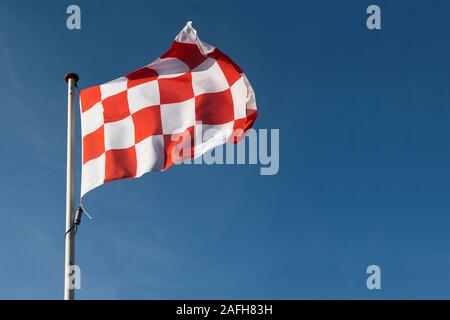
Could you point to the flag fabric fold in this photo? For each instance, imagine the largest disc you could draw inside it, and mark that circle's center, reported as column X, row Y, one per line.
column 155, row 116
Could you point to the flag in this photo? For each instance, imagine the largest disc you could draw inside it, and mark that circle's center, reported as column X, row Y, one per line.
column 154, row 116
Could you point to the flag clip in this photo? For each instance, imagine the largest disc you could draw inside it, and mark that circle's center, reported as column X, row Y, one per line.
column 79, row 213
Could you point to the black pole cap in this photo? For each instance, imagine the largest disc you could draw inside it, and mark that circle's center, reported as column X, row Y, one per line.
column 72, row 75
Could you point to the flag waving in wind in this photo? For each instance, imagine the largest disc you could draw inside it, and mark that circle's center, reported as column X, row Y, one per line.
column 154, row 116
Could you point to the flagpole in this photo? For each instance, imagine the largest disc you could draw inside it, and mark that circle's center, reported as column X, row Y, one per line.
column 69, row 292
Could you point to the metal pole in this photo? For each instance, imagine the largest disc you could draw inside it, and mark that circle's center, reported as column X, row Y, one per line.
column 69, row 292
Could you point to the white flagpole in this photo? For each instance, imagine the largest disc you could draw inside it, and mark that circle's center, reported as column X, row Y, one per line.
column 69, row 292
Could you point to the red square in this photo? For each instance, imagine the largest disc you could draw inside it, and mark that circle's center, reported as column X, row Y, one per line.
column 189, row 53
column 178, row 89
column 120, row 164
column 178, row 147
column 140, row 76
column 230, row 69
column 147, row 122
column 93, row 144
column 115, row 107
column 89, row 97
column 214, row 108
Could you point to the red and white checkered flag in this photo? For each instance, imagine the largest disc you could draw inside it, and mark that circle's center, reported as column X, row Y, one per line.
column 154, row 117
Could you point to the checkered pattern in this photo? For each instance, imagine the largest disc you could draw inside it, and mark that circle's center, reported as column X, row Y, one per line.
column 156, row 116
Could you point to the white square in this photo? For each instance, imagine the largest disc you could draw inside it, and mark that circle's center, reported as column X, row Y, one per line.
column 251, row 100
column 119, row 134
column 113, row 87
column 143, row 95
column 169, row 67
column 209, row 136
column 93, row 174
column 177, row 117
column 239, row 93
column 208, row 78
column 92, row 119
column 150, row 155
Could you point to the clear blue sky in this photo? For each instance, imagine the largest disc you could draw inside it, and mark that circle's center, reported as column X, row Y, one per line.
column 364, row 178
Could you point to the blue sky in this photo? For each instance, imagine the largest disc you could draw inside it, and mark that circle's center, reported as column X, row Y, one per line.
column 364, row 155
